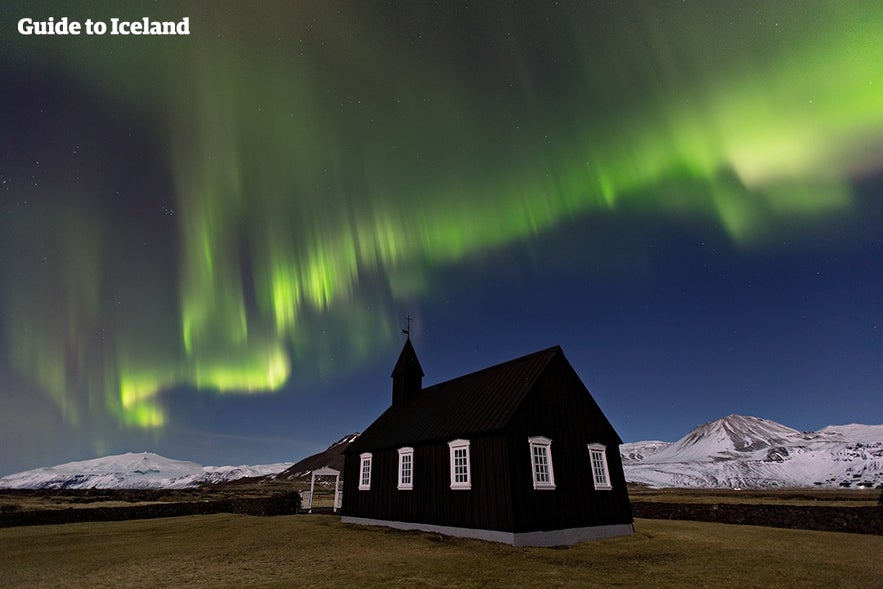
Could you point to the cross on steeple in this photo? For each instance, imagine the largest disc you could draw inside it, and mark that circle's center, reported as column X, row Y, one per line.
column 407, row 330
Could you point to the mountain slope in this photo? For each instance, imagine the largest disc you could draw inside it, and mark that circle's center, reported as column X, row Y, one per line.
column 854, row 432
column 331, row 457
column 733, row 436
column 638, row 451
column 143, row 470
column 743, row 451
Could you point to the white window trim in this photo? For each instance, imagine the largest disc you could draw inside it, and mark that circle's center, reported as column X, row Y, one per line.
column 603, row 450
column 455, row 445
column 541, row 442
column 365, row 461
column 402, row 453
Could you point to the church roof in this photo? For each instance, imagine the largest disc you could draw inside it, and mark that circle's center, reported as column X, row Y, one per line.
column 475, row 403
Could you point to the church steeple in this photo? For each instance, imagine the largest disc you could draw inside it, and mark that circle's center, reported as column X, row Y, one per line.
column 407, row 376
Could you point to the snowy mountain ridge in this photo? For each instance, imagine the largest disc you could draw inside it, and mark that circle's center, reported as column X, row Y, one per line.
column 751, row 452
column 735, row 451
column 143, row 470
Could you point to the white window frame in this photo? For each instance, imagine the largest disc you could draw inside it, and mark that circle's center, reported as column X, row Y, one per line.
column 365, row 471
column 409, row 454
column 456, row 445
column 599, row 450
column 543, row 445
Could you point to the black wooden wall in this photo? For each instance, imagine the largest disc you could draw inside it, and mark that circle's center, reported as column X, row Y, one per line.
column 487, row 505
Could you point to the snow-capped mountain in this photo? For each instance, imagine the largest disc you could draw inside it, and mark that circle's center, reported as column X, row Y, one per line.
column 143, row 470
column 750, row 452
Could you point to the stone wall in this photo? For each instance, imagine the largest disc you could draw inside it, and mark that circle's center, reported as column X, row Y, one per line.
column 858, row 520
column 282, row 504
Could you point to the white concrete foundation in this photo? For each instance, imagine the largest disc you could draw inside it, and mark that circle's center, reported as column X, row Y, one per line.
column 564, row 537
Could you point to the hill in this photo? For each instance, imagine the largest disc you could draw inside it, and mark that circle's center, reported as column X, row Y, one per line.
column 142, row 470
column 331, row 457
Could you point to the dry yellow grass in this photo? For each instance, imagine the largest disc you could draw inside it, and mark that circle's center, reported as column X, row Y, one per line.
column 831, row 497
column 319, row 551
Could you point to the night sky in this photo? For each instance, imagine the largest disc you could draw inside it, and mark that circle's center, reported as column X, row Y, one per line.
column 209, row 243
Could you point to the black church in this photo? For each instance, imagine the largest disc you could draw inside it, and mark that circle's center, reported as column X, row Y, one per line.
column 517, row 453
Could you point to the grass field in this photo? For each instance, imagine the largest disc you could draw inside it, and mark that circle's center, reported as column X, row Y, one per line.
column 319, row 551
column 830, row 497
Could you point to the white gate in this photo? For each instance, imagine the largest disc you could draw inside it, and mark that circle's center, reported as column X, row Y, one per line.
column 307, row 496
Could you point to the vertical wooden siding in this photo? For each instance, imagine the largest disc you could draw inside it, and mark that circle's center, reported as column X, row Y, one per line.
column 561, row 409
column 487, row 505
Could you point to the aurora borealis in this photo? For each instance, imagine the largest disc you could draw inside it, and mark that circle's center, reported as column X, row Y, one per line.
column 236, row 220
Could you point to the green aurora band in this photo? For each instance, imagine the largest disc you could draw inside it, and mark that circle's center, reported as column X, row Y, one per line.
column 325, row 162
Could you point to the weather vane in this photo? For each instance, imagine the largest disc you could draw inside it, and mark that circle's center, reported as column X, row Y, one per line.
column 407, row 330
